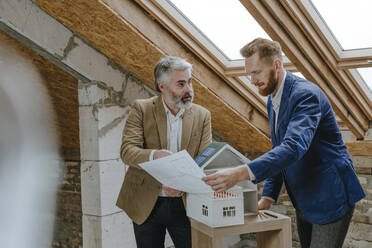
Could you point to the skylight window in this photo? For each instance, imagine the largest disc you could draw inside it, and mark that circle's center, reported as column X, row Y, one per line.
column 225, row 23
column 349, row 21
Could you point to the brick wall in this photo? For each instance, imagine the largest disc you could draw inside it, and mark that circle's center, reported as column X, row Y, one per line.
column 68, row 223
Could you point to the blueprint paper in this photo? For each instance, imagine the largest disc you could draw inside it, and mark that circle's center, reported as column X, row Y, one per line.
column 178, row 171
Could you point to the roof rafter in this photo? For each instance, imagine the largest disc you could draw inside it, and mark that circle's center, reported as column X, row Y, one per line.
column 236, row 68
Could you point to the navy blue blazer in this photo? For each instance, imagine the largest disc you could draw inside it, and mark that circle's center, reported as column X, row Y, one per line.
column 308, row 155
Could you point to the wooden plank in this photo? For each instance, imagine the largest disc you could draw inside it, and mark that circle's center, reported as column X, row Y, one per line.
column 236, row 68
column 354, row 63
column 362, row 53
column 363, row 87
column 359, row 91
column 360, row 148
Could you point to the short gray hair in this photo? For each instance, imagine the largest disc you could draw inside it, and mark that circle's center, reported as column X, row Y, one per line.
column 166, row 66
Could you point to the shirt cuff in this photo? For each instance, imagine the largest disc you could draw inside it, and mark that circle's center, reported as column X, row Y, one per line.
column 251, row 175
column 151, row 155
column 268, row 198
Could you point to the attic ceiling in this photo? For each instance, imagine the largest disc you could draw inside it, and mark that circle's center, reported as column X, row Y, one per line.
column 308, row 43
column 135, row 34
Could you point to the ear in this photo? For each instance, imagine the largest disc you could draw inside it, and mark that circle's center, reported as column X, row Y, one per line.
column 278, row 64
column 161, row 87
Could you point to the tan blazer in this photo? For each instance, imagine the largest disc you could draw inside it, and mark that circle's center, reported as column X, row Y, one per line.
column 145, row 130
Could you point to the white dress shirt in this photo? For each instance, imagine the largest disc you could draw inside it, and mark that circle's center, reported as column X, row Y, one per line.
column 174, row 133
column 276, row 100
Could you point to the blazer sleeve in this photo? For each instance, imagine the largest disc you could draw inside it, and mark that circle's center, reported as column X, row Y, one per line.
column 302, row 126
column 206, row 135
column 132, row 150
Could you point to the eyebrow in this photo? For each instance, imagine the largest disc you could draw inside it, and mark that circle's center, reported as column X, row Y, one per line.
column 183, row 81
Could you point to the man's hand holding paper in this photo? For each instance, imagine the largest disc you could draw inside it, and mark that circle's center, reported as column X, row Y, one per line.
column 178, row 171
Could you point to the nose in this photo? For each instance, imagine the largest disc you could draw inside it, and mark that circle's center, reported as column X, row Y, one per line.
column 188, row 88
column 253, row 80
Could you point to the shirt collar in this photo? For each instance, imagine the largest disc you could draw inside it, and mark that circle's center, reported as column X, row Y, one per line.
column 169, row 113
column 278, row 96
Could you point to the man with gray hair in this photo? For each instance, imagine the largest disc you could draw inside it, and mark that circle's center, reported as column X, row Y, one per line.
column 155, row 128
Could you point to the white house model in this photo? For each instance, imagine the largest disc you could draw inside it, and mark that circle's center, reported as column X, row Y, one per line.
column 226, row 208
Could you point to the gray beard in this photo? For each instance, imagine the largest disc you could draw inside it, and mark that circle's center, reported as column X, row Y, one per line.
column 178, row 103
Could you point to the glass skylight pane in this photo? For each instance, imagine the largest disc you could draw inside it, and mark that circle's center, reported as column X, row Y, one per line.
column 349, row 21
column 366, row 74
column 226, row 23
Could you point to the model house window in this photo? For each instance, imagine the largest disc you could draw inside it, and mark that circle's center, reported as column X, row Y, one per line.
column 229, row 211
column 232, row 210
column 205, row 210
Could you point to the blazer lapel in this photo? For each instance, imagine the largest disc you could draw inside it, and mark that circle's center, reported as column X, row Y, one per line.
column 187, row 123
column 161, row 121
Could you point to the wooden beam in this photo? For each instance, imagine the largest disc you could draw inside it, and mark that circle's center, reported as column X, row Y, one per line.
column 363, row 88
column 236, row 68
column 127, row 34
column 363, row 53
column 281, row 27
column 360, row 92
column 360, row 148
column 355, row 63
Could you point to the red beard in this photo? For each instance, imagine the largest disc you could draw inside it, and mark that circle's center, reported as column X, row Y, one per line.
column 271, row 85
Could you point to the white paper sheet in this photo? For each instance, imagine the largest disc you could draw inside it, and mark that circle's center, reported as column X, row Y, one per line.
column 178, row 171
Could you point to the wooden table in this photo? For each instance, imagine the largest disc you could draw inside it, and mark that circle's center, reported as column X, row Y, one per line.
column 270, row 232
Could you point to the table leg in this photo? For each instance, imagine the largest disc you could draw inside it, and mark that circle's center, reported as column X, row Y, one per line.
column 200, row 240
column 217, row 242
column 281, row 238
column 270, row 239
